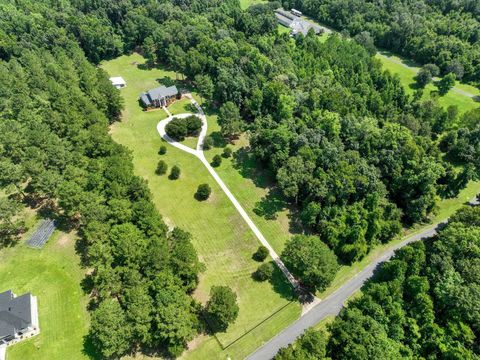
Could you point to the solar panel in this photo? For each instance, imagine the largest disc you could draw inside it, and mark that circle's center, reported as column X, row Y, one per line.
column 42, row 234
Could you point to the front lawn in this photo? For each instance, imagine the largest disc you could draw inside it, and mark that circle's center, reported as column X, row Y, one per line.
column 223, row 240
column 52, row 274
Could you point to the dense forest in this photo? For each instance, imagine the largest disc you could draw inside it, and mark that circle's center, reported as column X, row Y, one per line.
column 422, row 304
column 55, row 151
column 357, row 155
column 446, row 33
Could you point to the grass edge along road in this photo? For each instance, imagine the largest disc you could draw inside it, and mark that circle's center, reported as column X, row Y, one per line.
column 222, row 238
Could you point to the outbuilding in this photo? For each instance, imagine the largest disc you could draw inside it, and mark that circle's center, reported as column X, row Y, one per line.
column 118, row 82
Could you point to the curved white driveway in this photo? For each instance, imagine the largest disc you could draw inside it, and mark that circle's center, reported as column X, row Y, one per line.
column 198, row 152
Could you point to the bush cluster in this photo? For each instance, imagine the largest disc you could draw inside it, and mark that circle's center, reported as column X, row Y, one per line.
column 178, row 128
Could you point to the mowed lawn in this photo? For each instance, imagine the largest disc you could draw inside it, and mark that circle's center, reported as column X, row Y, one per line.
column 407, row 78
column 244, row 4
column 223, row 240
column 52, row 274
column 254, row 187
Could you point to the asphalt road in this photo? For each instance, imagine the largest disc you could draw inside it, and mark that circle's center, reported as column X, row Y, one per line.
column 330, row 305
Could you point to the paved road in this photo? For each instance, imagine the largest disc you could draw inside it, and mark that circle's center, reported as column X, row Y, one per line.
column 333, row 303
column 198, row 152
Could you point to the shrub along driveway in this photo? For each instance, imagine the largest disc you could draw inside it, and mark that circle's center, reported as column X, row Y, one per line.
column 198, row 152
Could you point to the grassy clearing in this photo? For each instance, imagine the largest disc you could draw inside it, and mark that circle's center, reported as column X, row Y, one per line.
column 397, row 65
column 52, row 274
column 223, row 240
column 253, row 186
column 245, row 4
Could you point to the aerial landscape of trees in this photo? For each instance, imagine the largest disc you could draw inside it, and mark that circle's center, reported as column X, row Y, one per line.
column 347, row 147
column 445, row 33
column 423, row 303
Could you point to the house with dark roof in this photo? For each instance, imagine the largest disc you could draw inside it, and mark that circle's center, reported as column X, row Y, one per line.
column 18, row 317
column 159, row 97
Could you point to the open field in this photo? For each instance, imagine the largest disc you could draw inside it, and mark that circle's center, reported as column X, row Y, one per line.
column 223, row 240
column 254, row 188
column 244, row 4
column 52, row 274
column 407, row 71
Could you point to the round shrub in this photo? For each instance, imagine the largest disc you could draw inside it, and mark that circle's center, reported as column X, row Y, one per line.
column 264, row 272
column 227, row 152
column 216, row 161
column 176, row 129
column 162, row 150
column 162, row 168
column 261, row 253
column 175, row 172
column 203, row 192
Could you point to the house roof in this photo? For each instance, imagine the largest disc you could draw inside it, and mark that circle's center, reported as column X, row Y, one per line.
column 117, row 80
column 301, row 26
column 15, row 313
column 158, row 93
column 297, row 24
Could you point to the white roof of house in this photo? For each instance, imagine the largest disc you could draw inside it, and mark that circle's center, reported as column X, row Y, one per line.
column 117, row 80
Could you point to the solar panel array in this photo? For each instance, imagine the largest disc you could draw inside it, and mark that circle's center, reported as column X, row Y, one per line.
column 42, row 234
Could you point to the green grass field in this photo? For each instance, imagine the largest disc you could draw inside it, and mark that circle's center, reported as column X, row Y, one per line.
column 52, row 274
column 223, row 240
column 407, row 78
column 244, row 4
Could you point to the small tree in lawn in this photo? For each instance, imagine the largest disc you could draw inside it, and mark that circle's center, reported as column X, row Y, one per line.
column 162, row 150
column 203, row 192
column 162, row 168
column 207, row 142
column 216, row 161
column 175, row 172
column 264, row 272
column 447, row 82
column 261, row 253
column 222, row 308
column 227, row 152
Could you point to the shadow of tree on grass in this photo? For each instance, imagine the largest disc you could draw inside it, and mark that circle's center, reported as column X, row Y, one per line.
column 270, row 205
column 281, row 285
